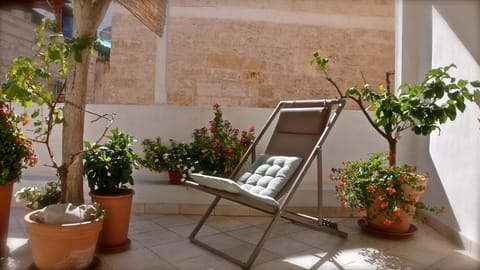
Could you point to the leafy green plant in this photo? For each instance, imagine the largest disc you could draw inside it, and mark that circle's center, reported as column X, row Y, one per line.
column 219, row 148
column 417, row 107
column 177, row 157
column 361, row 182
column 109, row 166
column 16, row 152
column 39, row 197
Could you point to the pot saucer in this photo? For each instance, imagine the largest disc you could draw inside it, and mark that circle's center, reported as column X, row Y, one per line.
column 392, row 235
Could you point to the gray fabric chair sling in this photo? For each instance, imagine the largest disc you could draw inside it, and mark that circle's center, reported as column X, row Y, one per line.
column 271, row 180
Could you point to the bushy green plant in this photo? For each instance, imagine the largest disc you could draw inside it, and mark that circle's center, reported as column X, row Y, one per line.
column 109, row 166
column 175, row 157
column 220, row 147
column 39, row 197
column 361, row 182
column 16, row 152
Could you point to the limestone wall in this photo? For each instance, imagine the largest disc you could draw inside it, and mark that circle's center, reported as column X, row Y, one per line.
column 247, row 53
column 16, row 35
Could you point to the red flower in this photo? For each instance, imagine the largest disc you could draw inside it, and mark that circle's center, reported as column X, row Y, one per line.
column 391, row 190
column 370, row 189
column 387, row 222
column 216, row 105
column 383, row 205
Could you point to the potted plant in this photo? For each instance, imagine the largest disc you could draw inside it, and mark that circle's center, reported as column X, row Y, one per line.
column 38, row 197
column 28, row 83
column 109, row 168
column 219, row 148
column 177, row 158
column 417, row 107
column 16, row 153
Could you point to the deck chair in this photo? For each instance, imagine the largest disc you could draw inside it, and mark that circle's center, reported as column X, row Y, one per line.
column 270, row 181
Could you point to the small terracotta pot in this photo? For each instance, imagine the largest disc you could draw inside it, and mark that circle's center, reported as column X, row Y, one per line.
column 67, row 246
column 175, row 177
column 114, row 235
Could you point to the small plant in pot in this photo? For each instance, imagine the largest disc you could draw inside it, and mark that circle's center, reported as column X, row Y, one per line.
column 177, row 158
column 38, row 197
column 109, row 168
column 420, row 108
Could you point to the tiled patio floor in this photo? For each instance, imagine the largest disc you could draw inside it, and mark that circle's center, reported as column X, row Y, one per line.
column 160, row 242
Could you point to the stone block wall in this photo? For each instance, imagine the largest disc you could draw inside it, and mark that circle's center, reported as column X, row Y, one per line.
column 16, row 35
column 129, row 77
column 235, row 52
column 255, row 53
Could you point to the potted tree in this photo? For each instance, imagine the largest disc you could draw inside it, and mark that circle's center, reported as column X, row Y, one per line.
column 108, row 168
column 16, row 153
column 27, row 83
column 389, row 192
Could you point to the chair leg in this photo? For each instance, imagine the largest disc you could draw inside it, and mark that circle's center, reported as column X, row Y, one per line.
column 262, row 240
column 204, row 218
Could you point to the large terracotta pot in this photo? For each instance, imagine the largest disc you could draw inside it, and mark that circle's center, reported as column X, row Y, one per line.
column 5, row 203
column 114, row 236
column 406, row 218
column 67, row 246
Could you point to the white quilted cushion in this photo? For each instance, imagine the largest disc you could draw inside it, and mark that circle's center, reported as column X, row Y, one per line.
column 263, row 180
column 268, row 174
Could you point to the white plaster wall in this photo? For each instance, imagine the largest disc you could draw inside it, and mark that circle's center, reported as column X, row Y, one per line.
column 351, row 138
column 438, row 33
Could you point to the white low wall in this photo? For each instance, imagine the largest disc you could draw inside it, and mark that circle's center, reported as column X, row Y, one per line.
column 351, row 138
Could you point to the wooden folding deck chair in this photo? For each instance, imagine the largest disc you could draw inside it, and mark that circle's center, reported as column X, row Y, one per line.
column 271, row 180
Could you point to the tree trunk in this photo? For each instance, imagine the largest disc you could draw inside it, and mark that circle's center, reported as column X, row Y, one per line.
column 87, row 16
column 392, row 152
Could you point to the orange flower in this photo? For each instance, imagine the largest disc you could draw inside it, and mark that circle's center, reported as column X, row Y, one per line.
column 401, row 179
column 387, row 222
column 383, row 205
column 391, row 190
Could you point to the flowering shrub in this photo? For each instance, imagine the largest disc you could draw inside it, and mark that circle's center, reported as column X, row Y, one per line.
column 220, row 147
column 215, row 150
column 361, row 183
column 16, row 150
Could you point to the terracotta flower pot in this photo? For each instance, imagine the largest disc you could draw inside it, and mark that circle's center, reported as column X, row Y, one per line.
column 67, row 246
column 175, row 177
column 114, row 235
column 6, row 199
column 377, row 222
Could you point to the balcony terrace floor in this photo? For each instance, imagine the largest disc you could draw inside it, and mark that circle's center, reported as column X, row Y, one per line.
column 161, row 242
